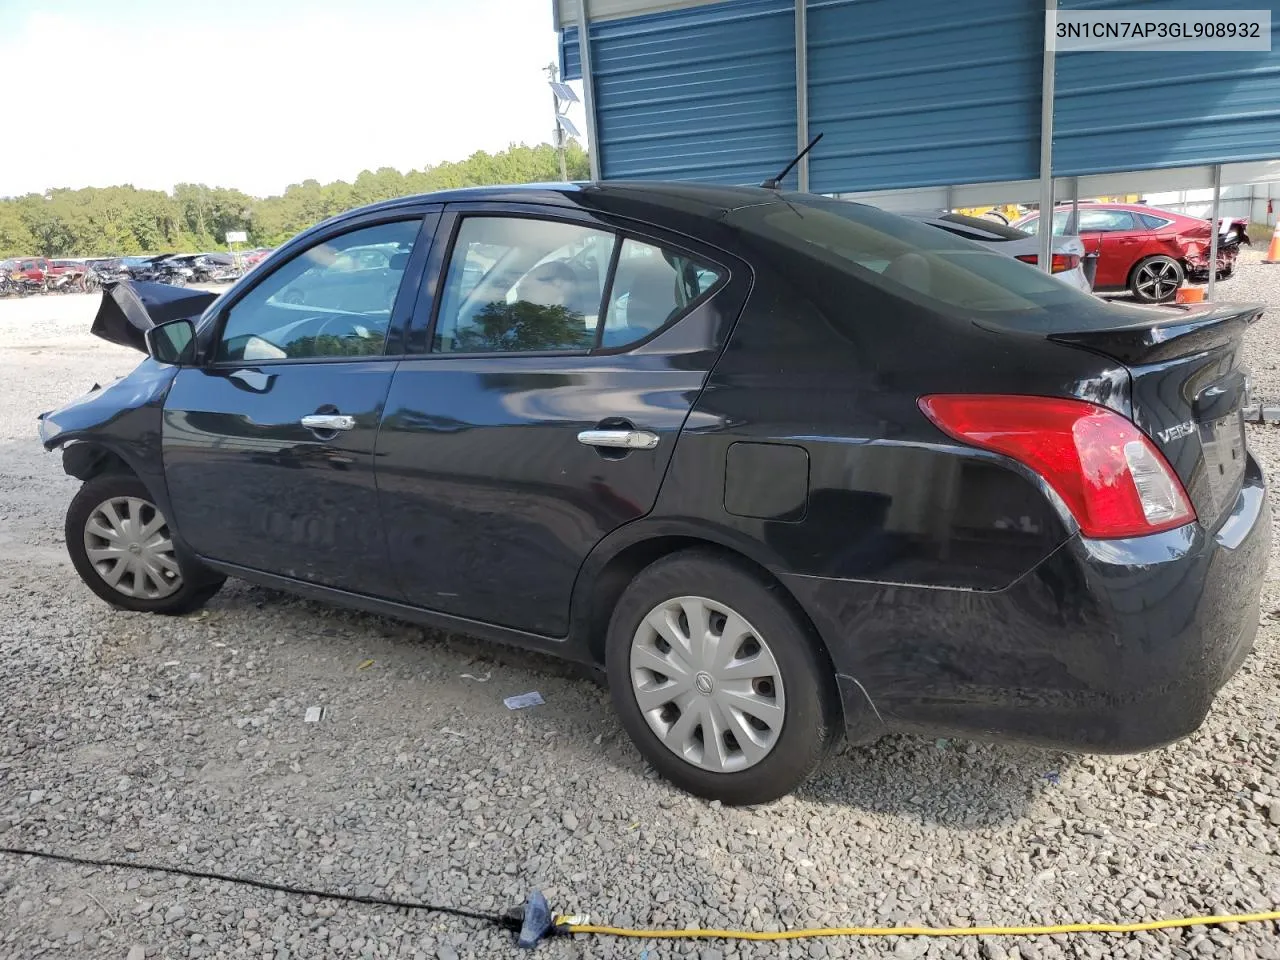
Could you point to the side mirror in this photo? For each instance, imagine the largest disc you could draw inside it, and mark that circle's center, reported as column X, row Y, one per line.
column 173, row 342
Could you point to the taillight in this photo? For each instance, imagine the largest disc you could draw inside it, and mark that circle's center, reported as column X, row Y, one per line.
column 1107, row 471
column 1062, row 262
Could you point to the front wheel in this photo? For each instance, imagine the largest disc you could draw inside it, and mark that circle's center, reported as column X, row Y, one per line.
column 1156, row 279
column 718, row 682
column 122, row 547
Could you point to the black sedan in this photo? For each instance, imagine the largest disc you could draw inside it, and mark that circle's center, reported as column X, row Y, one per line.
column 783, row 467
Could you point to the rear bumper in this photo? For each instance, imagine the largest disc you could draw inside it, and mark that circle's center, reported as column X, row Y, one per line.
column 1076, row 278
column 1106, row 646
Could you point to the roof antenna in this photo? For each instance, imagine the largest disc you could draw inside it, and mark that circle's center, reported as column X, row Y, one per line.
column 773, row 183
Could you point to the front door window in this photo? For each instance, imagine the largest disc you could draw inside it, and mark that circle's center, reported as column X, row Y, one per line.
column 332, row 300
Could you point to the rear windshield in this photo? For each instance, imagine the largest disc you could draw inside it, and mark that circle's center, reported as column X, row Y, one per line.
column 926, row 265
column 981, row 228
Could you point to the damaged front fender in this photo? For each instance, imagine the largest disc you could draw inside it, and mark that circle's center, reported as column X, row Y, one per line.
column 115, row 427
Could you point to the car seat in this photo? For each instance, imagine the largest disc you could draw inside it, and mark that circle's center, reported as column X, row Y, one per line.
column 912, row 270
column 650, row 290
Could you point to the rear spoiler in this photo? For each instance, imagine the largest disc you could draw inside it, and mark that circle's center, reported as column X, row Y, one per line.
column 130, row 308
column 1173, row 332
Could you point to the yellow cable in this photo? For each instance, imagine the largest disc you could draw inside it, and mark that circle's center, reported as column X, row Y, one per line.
column 571, row 925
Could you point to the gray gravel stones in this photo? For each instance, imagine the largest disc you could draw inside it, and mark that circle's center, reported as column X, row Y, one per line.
column 182, row 741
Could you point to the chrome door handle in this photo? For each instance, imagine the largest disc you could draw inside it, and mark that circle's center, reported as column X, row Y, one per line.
column 328, row 421
column 619, row 439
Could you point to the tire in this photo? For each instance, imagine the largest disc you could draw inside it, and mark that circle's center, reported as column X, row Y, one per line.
column 1156, row 279
column 784, row 674
column 182, row 585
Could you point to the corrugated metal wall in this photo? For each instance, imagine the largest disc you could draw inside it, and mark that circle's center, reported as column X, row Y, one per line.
column 911, row 93
column 706, row 93
column 570, row 59
column 923, row 92
column 1137, row 111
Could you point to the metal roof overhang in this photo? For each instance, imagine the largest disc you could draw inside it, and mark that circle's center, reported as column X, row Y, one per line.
column 1091, row 185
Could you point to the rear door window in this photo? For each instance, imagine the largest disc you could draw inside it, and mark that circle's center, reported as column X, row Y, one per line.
column 522, row 284
column 1105, row 221
column 651, row 287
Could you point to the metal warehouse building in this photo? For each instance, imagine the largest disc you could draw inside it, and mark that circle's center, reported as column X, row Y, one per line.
column 940, row 102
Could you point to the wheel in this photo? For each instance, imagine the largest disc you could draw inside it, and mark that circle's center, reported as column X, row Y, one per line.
column 718, row 683
column 1156, row 279
column 121, row 546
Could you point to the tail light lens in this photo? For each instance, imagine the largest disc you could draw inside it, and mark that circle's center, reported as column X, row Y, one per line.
column 1062, row 262
column 1107, row 471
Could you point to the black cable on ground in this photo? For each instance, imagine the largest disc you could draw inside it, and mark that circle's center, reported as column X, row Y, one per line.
column 506, row 922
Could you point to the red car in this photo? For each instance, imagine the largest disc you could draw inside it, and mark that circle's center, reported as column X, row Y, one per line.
column 1145, row 250
column 36, row 269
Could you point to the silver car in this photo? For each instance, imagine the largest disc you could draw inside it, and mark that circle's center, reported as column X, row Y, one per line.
column 1068, row 252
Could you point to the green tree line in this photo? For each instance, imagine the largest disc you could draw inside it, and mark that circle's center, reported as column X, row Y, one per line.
column 122, row 221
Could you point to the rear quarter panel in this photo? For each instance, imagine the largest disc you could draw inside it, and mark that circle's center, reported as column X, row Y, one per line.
column 835, row 366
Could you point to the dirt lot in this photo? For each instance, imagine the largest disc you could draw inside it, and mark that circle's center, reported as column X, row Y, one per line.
column 183, row 742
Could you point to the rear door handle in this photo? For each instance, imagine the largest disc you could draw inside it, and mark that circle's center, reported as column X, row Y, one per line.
column 328, row 421
column 619, row 439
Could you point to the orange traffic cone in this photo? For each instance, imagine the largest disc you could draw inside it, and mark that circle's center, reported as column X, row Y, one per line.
column 1273, row 252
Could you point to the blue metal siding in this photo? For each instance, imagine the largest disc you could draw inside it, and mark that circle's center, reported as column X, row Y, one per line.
column 912, row 93
column 921, row 93
column 1142, row 111
column 707, row 93
column 570, row 60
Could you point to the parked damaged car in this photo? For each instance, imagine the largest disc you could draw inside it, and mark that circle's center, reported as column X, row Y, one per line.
column 1146, row 251
column 781, row 467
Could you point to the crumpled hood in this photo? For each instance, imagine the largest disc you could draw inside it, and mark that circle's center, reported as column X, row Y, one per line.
column 132, row 307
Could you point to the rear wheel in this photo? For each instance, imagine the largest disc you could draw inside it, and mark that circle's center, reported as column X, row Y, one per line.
column 122, row 547
column 1156, row 279
column 718, row 682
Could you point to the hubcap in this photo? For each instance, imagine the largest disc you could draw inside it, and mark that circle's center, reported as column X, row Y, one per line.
column 707, row 684
column 127, row 541
column 1158, row 279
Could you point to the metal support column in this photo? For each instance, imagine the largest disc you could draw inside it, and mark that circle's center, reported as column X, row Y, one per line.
column 1046, row 145
column 1075, row 206
column 802, row 93
column 950, row 198
column 1213, row 240
column 588, row 86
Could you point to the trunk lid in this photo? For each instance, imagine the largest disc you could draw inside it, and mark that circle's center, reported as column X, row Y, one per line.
column 1188, row 390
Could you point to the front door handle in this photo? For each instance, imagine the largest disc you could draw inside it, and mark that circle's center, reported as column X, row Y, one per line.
column 328, row 421
column 619, row 439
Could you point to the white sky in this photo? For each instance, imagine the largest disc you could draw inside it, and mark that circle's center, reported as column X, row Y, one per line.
column 258, row 95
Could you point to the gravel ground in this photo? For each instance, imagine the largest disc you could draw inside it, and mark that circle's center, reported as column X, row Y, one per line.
column 182, row 741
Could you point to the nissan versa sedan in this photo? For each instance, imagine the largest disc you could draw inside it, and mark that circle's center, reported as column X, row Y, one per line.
column 783, row 467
